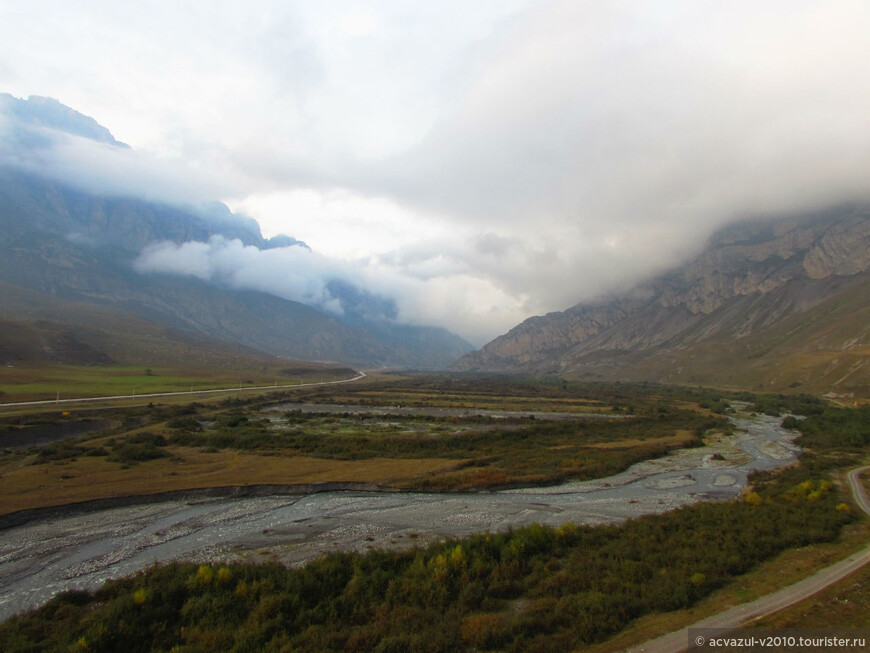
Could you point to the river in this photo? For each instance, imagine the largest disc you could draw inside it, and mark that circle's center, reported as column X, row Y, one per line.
column 80, row 551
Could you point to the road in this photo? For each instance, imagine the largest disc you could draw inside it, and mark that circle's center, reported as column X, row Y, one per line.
column 180, row 393
column 745, row 613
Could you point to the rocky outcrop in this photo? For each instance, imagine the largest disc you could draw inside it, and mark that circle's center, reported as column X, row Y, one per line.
column 755, row 281
column 540, row 338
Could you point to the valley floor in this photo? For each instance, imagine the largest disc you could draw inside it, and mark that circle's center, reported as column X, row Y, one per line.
column 46, row 556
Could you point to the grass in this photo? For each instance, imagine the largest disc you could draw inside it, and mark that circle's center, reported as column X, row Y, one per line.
column 232, row 441
column 846, row 604
column 25, row 486
column 37, row 383
column 787, row 568
column 434, row 399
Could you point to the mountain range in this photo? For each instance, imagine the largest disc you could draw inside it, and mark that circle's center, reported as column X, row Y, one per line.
column 65, row 246
column 773, row 305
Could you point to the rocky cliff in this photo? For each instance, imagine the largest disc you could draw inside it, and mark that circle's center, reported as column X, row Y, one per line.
column 790, row 283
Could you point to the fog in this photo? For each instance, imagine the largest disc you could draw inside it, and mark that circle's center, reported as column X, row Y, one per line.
column 478, row 164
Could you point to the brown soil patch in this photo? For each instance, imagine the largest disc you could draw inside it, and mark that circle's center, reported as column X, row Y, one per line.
column 83, row 479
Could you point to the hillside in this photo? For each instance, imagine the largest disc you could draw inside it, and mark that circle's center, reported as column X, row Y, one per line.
column 768, row 305
column 63, row 242
column 38, row 329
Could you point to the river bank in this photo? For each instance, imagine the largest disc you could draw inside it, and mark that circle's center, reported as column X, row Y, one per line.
column 60, row 552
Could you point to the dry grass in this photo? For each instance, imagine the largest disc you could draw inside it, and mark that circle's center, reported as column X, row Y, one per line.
column 679, row 439
column 846, row 604
column 30, row 486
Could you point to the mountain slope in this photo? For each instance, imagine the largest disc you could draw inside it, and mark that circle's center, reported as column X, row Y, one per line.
column 65, row 242
column 39, row 329
column 768, row 305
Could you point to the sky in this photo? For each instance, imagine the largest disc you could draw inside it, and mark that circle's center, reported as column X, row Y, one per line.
column 479, row 162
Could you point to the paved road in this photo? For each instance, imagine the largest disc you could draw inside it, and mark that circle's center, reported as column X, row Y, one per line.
column 746, row 613
column 359, row 375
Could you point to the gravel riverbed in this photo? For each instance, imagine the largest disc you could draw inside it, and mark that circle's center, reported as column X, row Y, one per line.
column 49, row 555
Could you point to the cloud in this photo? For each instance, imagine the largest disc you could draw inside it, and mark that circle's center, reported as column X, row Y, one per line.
column 478, row 162
column 294, row 272
column 606, row 141
column 365, row 288
column 103, row 168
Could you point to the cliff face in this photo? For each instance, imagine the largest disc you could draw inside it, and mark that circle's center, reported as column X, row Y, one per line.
column 785, row 282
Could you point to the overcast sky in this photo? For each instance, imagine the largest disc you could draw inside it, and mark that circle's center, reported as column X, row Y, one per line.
column 481, row 161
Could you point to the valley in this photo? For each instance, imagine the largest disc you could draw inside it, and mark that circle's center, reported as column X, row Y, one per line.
column 293, row 527
column 242, row 483
column 220, row 438
column 434, row 440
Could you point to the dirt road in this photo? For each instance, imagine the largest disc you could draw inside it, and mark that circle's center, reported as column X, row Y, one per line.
column 746, row 613
column 180, row 393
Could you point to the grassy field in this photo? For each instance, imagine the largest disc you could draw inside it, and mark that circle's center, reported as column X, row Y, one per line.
column 238, row 441
column 37, row 383
column 24, row 485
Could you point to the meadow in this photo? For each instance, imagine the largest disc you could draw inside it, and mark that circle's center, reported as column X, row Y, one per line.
column 238, row 440
column 50, row 382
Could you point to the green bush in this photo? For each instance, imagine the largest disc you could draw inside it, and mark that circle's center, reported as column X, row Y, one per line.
column 533, row 588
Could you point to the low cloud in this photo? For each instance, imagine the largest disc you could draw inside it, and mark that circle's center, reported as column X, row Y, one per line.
column 526, row 155
column 81, row 153
column 388, row 290
column 294, row 272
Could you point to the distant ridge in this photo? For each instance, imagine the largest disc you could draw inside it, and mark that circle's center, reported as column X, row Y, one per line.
column 42, row 111
column 770, row 305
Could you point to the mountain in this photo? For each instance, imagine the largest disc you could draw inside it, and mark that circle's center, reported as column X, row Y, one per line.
column 768, row 305
column 39, row 111
column 38, row 329
column 65, row 244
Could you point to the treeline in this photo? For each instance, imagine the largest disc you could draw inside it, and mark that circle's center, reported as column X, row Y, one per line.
column 531, row 589
column 835, row 428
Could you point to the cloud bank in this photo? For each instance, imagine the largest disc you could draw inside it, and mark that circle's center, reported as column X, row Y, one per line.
column 479, row 163
column 383, row 288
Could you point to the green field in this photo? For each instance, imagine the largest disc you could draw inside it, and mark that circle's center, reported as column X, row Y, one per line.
column 39, row 383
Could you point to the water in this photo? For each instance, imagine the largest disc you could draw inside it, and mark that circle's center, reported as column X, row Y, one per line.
column 44, row 557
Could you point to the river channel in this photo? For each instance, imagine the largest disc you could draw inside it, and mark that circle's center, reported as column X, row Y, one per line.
column 80, row 551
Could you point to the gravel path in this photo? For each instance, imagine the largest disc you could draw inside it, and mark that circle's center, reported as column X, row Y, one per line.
column 745, row 613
